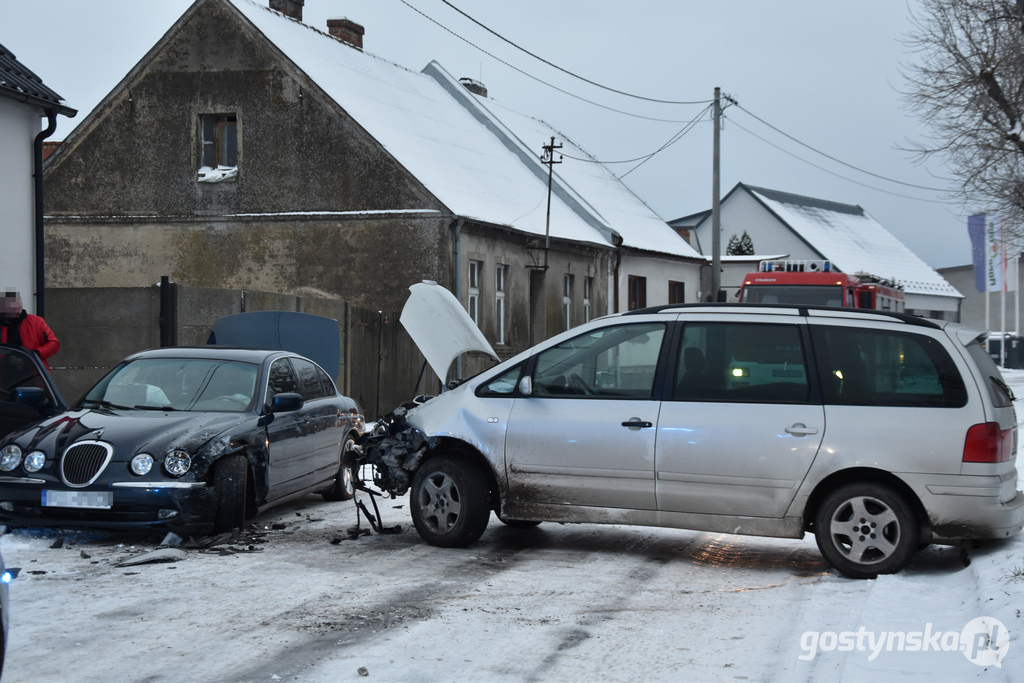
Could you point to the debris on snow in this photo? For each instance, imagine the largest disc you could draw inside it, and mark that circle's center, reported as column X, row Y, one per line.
column 161, row 555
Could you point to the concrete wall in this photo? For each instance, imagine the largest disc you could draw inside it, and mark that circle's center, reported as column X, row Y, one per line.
column 98, row 327
column 19, row 124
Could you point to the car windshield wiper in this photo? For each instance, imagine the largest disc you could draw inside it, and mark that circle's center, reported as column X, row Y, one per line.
column 103, row 404
column 166, row 407
column 1003, row 385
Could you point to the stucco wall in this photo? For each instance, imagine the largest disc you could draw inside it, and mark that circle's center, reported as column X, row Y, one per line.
column 658, row 272
column 19, row 124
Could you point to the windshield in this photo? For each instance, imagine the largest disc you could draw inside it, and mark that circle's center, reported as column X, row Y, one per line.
column 177, row 384
column 807, row 295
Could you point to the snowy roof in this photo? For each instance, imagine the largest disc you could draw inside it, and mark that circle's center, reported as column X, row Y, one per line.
column 597, row 191
column 425, row 129
column 854, row 241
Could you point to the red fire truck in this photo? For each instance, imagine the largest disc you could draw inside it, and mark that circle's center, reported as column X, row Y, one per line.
column 816, row 283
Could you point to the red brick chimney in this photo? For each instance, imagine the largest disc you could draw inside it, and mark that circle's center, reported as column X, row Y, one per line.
column 346, row 31
column 290, row 8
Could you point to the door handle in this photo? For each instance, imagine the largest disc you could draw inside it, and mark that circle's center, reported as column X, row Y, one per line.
column 800, row 429
column 636, row 422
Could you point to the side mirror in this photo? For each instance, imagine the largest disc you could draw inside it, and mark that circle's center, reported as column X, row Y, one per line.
column 286, row 402
column 33, row 397
column 526, row 386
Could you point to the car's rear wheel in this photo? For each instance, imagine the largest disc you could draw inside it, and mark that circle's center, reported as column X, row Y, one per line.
column 449, row 502
column 866, row 529
column 345, row 484
column 230, row 478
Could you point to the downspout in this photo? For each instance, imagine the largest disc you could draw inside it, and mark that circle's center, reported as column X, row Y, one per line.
column 457, row 283
column 37, row 154
column 617, row 241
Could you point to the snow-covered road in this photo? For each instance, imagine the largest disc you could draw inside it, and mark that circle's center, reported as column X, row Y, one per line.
column 555, row 603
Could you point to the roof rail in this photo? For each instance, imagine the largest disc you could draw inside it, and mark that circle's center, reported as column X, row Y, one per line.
column 804, row 310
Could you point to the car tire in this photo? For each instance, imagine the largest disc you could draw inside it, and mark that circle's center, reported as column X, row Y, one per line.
column 519, row 523
column 448, row 501
column 866, row 529
column 345, row 484
column 230, row 478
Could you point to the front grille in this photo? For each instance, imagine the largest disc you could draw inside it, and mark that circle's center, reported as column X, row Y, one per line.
column 84, row 461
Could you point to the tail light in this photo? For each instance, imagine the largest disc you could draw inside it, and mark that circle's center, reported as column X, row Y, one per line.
column 988, row 443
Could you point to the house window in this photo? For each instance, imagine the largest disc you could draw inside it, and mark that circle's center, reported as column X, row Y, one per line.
column 567, row 282
column 637, row 292
column 474, row 290
column 588, row 283
column 676, row 292
column 218, row 147
column 500, row 281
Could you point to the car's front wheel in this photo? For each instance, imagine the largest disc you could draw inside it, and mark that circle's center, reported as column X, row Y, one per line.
column 866, row 529
column 449, row 502
column 230, row 475
column 345, row 484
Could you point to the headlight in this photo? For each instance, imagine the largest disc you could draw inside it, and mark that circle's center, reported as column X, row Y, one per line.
column 177, row 463
column 34, row 461
column 10, row 457
column 142, row 464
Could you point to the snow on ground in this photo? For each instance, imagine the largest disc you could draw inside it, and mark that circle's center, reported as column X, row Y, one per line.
column 555, row 603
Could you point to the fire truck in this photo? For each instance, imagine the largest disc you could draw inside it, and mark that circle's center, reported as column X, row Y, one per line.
column 816, row 283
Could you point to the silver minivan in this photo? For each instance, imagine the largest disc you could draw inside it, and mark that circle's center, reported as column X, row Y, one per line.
column 877, row 432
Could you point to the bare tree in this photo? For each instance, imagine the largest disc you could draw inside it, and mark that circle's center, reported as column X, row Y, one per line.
column 968, row 86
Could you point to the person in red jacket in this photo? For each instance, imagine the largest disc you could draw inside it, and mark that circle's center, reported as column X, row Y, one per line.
column 21, row 328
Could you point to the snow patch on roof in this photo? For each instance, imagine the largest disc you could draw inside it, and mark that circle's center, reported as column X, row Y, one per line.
column 855, row 242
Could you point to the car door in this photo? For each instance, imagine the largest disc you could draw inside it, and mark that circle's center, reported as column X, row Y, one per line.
column 288, row 434
column 744, row 419
column 323, row 456
column 585, row 435
column 21, row 368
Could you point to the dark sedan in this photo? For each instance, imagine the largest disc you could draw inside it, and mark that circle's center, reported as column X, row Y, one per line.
column 195, row 440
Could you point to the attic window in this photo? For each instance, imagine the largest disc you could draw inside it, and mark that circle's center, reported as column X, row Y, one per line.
column 218, row 147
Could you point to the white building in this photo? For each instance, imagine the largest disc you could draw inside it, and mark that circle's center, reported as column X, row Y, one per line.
column 844, row 234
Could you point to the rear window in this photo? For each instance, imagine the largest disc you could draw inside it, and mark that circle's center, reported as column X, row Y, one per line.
column 885, row 368
column 1000, row 394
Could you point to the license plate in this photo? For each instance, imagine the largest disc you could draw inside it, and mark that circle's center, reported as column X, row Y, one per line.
column 102, row 500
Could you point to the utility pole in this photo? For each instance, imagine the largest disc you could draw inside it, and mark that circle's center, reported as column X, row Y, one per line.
column 716, row 203
column 548, row 157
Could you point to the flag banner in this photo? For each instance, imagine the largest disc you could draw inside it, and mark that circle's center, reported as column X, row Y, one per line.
column 976, row 230
column 995, row 262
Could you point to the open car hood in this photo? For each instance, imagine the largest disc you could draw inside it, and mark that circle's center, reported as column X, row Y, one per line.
column 441, row 327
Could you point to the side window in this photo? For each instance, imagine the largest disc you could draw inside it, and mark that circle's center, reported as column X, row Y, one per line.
column 218, row 147
column 885, row 368
column 282, row 379
column 613, row 362
column 16, row 370
column 502, row 386
column 309, row 379
column 741, row 362
column 327, row 382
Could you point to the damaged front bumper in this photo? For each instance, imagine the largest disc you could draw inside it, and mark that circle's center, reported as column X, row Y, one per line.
column 395, row 449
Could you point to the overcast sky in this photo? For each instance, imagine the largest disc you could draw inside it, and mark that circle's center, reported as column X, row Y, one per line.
column 826, row 73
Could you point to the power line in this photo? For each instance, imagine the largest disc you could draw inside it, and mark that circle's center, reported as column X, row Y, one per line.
column 644, row 157
column 566, row 71
column 822, row 168
column 675, row 138
column 838, row 161
column 528, row 75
